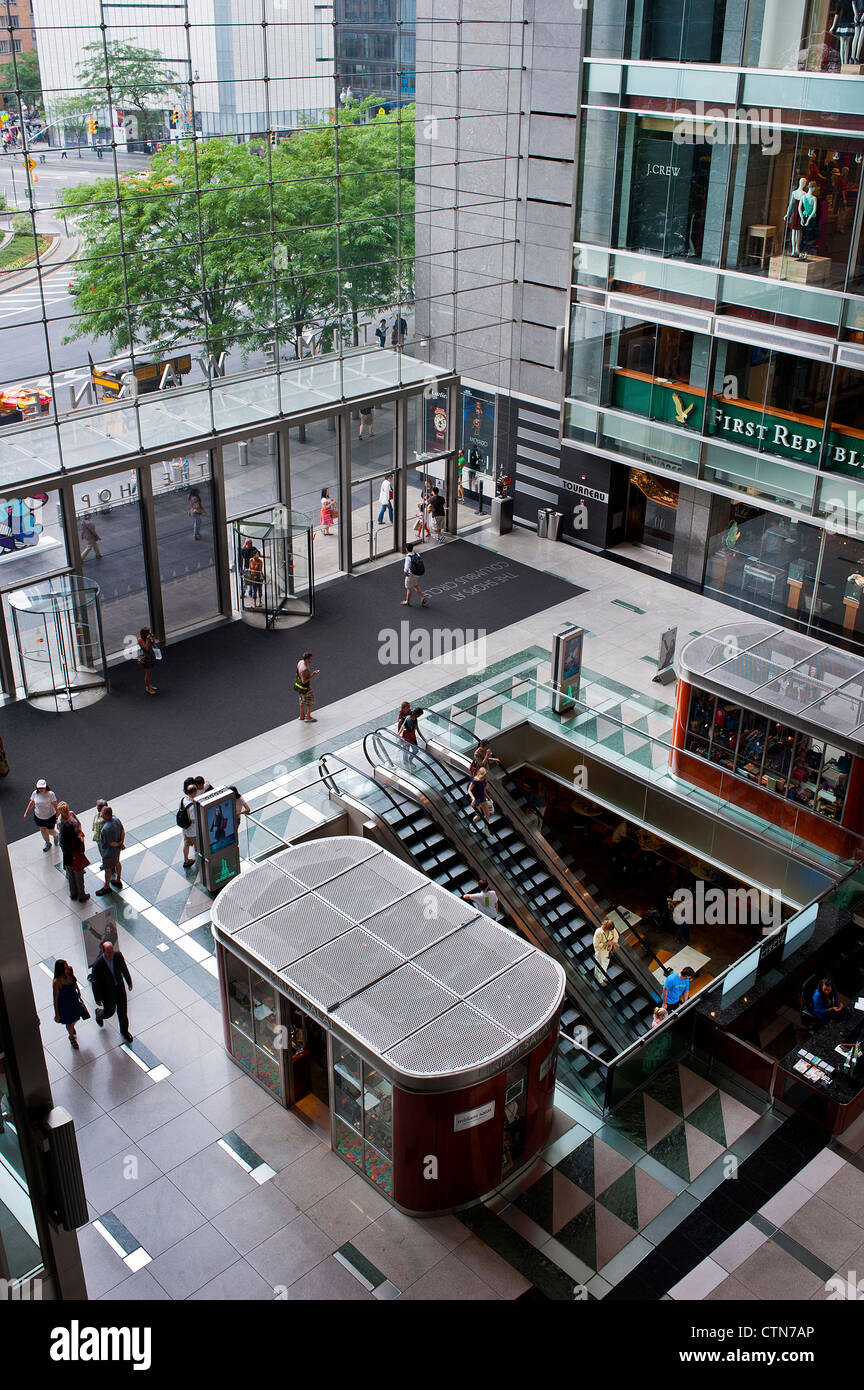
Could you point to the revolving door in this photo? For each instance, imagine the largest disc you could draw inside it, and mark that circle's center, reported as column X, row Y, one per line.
column 273, row 566
column 58, row 633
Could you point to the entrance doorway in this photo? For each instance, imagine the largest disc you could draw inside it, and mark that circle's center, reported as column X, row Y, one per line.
column 649, row 528
column 370, row 537
column 310, row 1090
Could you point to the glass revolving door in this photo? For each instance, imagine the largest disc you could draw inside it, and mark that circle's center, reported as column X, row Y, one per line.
column 58, row 633
column 274, row 569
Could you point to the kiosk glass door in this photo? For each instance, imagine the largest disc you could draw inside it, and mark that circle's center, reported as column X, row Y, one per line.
column 373, row 532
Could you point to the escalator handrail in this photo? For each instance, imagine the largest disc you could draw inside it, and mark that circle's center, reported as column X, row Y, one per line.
column 601, row 1016
column 580, row 1047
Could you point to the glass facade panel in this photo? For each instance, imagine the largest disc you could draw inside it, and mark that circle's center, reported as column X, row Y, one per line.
column 110, row 508
column 762, row 560
column 184, row 533
column 251, row 471
column 769, row 401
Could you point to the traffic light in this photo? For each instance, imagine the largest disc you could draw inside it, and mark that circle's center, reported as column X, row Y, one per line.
column 272, row 137
column 91, row 125
column 175, row 117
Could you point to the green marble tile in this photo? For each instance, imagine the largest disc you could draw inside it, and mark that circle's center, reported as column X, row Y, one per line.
column 578, row 1166
column 629, row 1120
column 551, row 1281
column 666, row 1087
column 579, row 1236
column 621, row 1199
column 708, row 1117
column 672, row 1152
column 537, row 1201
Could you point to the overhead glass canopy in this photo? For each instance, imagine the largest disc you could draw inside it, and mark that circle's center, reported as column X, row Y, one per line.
column 774, row 671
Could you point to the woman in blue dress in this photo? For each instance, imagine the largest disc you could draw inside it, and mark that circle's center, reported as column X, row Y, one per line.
column 67, row 999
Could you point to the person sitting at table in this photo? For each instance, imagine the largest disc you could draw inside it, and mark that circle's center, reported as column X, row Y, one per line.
column 826, row 1002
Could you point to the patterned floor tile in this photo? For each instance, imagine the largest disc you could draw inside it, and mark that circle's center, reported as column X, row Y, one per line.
column 694, row 1089
column 621, row 1199
column 659, row 1121
column 666, row 1088
column 552, row 1201
column 672, row 1153
column 708, row 1118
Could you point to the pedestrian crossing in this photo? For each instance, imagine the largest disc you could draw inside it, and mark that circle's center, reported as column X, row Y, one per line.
column 26, row 301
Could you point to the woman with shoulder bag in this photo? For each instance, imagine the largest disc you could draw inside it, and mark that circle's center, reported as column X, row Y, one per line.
column 75, row 861
column 147, row 657
column 68, row 1004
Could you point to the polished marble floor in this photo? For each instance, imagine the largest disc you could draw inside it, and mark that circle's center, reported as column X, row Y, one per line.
column 200, row 1186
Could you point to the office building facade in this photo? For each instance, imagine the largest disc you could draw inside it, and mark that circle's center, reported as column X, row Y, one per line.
column 703, row 417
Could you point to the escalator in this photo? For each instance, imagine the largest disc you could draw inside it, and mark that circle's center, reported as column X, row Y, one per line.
column 539, row 893
column 408, row 828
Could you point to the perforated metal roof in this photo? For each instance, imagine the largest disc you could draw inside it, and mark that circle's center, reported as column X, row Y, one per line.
column 784, row 675
column 389, row 960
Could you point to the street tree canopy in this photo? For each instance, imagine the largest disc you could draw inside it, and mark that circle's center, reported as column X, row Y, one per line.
column 21, row 75
column 141, row 83
column 257, row 257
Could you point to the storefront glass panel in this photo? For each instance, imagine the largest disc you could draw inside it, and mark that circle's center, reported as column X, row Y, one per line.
column 769, row 402
column 760, row 559
column 111, row 507
column 792, row 206
column 251, row 471
column 798, row 34
column 183, row 509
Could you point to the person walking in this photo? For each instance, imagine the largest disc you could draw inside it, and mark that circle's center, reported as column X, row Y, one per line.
column 90, row 537
column 75, row 860
column 328, row 512
column 421, row 525
column 255, row 579
column 303, row 686
column 43, row 804
column 460, row 476
column 96, row 828
column 605, row 942
column 403, row 710
column 186, row 821
column 147, row 658
column 408, row 732
column 486, row 899
column 367, row 417
column 482, row 757
column 109, row 977
column 195, row 509
column 478, row 796
column 381, row 333
column 412, row 570
column 241, row 806
column 436, row 507
column 248, row 552
column 68, row 1004
column 385, row 499
column 676, row 988
column 112, row 839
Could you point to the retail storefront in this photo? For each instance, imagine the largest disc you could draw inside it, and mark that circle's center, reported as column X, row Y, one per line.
column 418, row 1034
column 155, row 532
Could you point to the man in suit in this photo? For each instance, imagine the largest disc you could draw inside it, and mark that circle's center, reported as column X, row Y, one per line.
column 107, row 978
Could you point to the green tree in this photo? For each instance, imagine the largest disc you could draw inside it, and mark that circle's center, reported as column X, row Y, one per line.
column 22, row 75
column 141, row 83
column 253, row 259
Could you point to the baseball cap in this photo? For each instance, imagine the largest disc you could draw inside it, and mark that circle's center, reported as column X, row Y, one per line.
column 41, row 785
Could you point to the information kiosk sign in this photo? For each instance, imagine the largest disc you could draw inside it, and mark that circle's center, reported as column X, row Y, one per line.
column 217, row 832
column 566, row 667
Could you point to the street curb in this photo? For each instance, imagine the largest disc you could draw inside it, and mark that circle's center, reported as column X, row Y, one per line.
column 61, row 249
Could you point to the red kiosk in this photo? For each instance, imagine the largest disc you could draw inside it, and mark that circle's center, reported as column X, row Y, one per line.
column 773, row 722
column 419, row 1032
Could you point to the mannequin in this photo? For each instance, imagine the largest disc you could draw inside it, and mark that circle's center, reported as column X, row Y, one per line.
column 858, row 41
column 808, row 208
column 843, row 25
column 793, row 216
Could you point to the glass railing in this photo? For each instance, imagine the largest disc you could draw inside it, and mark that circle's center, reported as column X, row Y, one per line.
column 282, row 812
column 601, row 716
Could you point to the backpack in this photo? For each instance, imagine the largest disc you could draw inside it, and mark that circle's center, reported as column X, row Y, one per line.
column 184, row 820
column 415, row 563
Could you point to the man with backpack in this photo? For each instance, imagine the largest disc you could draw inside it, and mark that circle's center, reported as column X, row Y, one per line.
column 412, row 569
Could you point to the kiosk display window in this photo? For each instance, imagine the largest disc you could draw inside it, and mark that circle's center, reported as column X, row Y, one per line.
column 793, row 765
column 255, row 1027
column 363, row 1123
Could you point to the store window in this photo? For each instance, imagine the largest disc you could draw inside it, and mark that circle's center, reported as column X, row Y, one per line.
column 656, row 371
column 771, row 402
column 837, row 602
column 363, row 1122
column 792, row 207
column 804, row 35
column 670, row 190
column 761, row 559
column 764, row 751
column 680, row 32
column 254, row 1014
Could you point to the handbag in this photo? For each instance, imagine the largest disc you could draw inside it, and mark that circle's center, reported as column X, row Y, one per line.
column 79, row 861
column 84, row 1011
column 157, row 654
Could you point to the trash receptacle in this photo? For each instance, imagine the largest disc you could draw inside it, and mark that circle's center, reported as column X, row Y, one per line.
column 543, row 522
column 502, row 515
column 554, row 525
